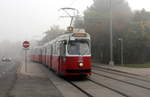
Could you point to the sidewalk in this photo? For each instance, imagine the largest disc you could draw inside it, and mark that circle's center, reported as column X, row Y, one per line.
column 33, row 82
column 32, row 69
column 138, row 71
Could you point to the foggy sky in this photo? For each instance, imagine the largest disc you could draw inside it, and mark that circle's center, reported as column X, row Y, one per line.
column 28, row 19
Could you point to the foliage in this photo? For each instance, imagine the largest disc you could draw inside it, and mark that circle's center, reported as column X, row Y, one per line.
column 51, row 34
column 97, row 19
column 79, row 22
column 132, row 27
column 137, row 38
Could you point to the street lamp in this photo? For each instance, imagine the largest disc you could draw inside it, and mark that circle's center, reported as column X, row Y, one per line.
column 121, row 42
column 111, row 37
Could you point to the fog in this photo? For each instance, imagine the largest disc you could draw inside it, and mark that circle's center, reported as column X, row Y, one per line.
column 11, row 49
column 28, row 19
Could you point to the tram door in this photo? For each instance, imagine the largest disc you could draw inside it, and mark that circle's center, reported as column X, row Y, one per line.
column 51, row 55
column 45, row 56
column 62, row 55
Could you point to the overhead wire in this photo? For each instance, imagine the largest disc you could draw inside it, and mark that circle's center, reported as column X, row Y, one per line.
column 71, row 4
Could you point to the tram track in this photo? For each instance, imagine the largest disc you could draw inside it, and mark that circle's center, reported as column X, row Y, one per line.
column 82, row 90
column 115, row 70
column 105, row 86
column 121, row 73
column 112, row 89
column 125, row 89
column 131, row 83
column 124, row 92
column 132, row 80
column 114, row 78
column 98, row 84
column 121, row 92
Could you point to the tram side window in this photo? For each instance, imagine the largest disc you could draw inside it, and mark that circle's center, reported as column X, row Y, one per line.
column 54, row 50
column 58, row 48
column 45, row 51
column 49, row 49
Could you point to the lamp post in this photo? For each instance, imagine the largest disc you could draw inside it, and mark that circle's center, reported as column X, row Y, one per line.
column 111, row 36
column 121, row 52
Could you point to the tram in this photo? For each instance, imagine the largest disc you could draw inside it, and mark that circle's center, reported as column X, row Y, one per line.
column 68, row 54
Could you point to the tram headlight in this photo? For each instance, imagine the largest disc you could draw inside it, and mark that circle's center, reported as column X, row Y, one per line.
column 81, row 64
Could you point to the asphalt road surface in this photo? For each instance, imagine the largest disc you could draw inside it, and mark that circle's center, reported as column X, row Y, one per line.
column 7, row 77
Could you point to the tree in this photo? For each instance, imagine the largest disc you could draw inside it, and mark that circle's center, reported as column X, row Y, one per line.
column 137, row 38
column 96, row 20
column 51, row 34
column 79, row 22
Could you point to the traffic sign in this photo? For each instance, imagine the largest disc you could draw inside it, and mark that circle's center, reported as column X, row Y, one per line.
column 26, row 44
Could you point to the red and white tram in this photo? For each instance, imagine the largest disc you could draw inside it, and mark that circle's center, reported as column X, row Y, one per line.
column 68, row 54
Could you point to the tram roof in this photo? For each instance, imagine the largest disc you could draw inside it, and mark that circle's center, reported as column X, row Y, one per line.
column 66, row 36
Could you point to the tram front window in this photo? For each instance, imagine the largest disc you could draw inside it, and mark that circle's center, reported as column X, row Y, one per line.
column 79, row 48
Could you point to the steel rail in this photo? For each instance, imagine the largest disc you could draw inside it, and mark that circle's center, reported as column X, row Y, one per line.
column 137, row 85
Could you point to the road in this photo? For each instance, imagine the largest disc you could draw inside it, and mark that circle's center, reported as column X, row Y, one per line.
column 7, row 77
